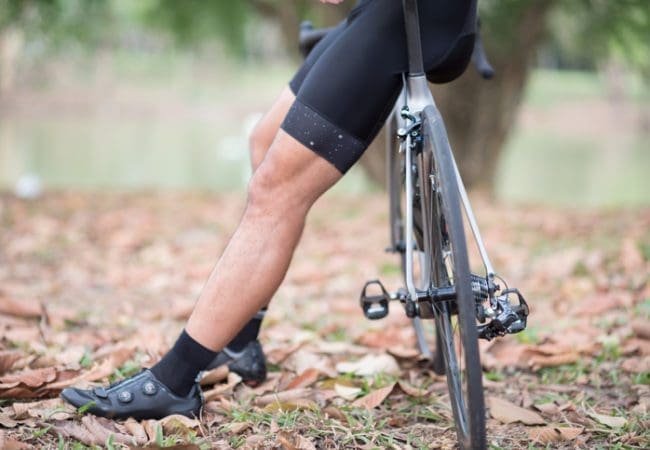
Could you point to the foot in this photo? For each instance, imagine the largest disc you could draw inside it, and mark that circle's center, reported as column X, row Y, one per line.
column 141, row 396
column 249, row 363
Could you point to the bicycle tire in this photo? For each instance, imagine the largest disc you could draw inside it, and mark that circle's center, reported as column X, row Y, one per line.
column 448, row 238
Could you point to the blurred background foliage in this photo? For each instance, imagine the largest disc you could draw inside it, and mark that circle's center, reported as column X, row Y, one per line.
column 252, row 39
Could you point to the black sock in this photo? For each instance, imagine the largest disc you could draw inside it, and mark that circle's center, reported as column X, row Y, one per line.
column 247, row 334
column 179, row 367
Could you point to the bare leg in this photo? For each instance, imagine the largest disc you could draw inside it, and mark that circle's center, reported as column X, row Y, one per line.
column 265, row 131
column 284, row 187
column 267, row 128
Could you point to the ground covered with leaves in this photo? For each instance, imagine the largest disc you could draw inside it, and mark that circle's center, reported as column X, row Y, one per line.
column 94, row 287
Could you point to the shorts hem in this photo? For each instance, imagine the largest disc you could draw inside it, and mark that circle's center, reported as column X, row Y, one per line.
column 319, row 134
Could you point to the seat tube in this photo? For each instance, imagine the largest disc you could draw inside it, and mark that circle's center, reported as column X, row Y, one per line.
column 413, row 41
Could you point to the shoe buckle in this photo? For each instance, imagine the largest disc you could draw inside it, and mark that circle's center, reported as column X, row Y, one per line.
column 100, row 392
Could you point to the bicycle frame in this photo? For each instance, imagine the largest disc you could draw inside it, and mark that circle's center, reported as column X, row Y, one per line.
column 415, row 96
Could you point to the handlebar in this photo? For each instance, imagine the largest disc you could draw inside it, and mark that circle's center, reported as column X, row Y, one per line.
column 309, row 37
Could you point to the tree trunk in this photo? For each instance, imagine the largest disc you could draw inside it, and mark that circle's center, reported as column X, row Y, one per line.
column 480, row 114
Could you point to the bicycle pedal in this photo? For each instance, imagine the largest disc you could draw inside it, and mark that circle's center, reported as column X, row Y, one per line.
column 509, row 318
column 374, row 306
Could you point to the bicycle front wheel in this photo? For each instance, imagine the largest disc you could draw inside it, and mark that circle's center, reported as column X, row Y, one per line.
column 455, row 319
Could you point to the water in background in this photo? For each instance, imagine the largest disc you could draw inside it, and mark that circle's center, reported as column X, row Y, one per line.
column 545, row 161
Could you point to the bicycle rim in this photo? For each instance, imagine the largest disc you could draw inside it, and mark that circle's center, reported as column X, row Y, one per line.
column 455, row 320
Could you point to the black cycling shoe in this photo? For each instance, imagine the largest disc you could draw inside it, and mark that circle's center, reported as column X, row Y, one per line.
column 142, row 396
column 249, row 363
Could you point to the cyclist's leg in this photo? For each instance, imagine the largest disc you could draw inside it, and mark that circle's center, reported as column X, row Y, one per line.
column 288, row 181
column 265, row 130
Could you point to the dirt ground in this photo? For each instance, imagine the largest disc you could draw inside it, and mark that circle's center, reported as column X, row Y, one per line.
column 95, row 286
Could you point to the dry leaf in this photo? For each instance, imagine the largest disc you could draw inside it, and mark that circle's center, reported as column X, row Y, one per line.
column 237, row 427
column 546, row 435
column 29, row 309
column 136, row 430
column 411, row 390
column 641, row 328
column 177, row 423
column 221, row 389
column 610, row 421
column 370, row 365
column 305, row 379
column 75, row 431
column 537, row 362
column 31, row 378
column 6, row 420
column 347, row 392
column 304, row 444
column 637, row 365
column 293, row 405
column 8, row 443
column 375, row 398
column 547, row 408
column 254, row 441
column 335, row 413
column 283, row 397
column 7, row 359
column 303, row 360
column 286, row 442
column 404, row 352
column 507, row 412
column 102, row 429
column 215, row 375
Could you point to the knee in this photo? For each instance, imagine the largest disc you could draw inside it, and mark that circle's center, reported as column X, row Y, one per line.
column 264, row 192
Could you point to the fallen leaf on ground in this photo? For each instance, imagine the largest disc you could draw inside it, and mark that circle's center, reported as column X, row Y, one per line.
column 304, row 443
column 375, row 398
column 8, row 443
column 31, row 378
column 305, row 379
column 641, row 328
column 237, row 427
column 282, row 397
column 637, row 365
column 410, row 389
column 6, row 419
column 29, row 309
column 335, row 413
column 610, row 421
column 404, row 352
column 546, row 435
column 136, row 430
column 7, row 359
column 303, row 359
column 370, row 365
column 215, row 375
column 74, row 430
column 221, row 389
column 177, row 423
column 102, row 429
column 547, row 408
column 537, row 362
column 507, row 412
column 347, row 392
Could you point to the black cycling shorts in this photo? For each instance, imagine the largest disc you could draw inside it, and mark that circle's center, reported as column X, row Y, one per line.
column 348, row 84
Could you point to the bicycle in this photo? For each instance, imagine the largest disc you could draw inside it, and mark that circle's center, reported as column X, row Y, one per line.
column 426, row 203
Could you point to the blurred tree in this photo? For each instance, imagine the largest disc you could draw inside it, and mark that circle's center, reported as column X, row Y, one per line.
column 51, row 20
column 480, row 114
